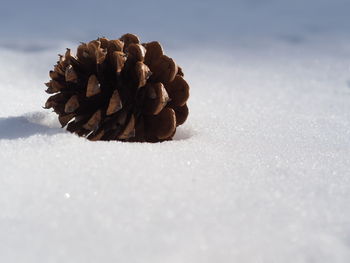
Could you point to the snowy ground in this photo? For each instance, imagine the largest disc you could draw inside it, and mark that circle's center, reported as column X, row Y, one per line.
column 259, row 173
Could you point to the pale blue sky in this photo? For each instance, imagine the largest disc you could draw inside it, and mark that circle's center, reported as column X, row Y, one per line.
column 182, row 20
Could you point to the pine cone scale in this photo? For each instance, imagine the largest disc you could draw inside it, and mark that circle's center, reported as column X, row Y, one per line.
column 156, row 98
column 161, row 126
column 64, row 119
column 93, row 86
column 72, row 104
column 93, row 123
column 115, row 103
column 181, row 114
column 178, row 90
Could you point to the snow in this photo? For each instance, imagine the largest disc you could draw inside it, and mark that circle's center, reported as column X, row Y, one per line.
column 258, row 173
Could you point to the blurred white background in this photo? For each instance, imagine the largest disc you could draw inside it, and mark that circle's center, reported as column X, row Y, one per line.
column 175, row 22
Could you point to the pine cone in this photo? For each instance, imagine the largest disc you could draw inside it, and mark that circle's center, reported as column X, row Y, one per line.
column 119, row 90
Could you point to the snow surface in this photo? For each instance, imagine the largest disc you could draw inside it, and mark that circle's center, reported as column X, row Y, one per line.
column 260, row 172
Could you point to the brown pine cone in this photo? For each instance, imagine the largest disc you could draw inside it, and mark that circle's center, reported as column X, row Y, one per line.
column 119, row 90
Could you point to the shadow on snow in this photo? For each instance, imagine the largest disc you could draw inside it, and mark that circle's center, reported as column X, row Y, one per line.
column 20, row 127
